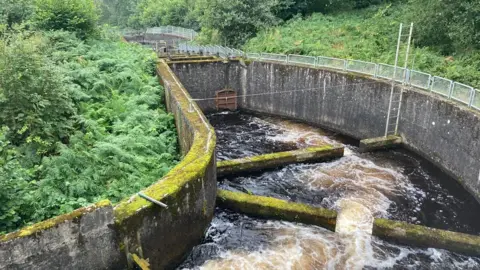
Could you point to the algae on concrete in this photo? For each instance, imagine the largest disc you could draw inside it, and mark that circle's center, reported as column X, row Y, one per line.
column 267, row 207
column 256, row 163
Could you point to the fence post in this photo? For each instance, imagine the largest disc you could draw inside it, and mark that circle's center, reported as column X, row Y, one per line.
column 375, row 75
column 288, row 58
column 472, row 97
column 450, row 90
column 345, row 64
column 432, row 82
column 407, row 77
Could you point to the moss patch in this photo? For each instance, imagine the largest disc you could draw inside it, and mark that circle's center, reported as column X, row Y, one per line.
column 267, row 207
column 312, row 154
column 53, row 222
column 421, row 236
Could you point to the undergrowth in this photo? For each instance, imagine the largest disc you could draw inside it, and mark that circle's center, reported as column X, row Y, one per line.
column 369, row 35
column 116, row 136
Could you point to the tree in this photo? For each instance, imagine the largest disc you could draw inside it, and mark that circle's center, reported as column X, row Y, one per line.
column 35, row 103
column 151, row 13
column 78, row 16
column 448, row 25
column 235, row 21
column 15, row 11
column 117, row 12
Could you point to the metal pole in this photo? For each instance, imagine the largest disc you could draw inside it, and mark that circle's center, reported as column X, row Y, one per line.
column 393, row 79
column 404, row 78
column 152, row 200
column 408, row 52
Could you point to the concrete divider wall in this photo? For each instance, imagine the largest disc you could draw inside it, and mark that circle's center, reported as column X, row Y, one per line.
column 164, row 236
column 83, row 239
column 444, row 132
column 102, row 237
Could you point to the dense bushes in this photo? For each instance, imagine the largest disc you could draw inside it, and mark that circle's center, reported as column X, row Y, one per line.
column 369, row 35
column 449, row 25
column 117, row 140
column 36, row 105
column 227, row 22
column 15, row 11
column 77, row 16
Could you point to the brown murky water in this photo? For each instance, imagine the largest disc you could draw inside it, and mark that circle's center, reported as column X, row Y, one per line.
column 393, row 184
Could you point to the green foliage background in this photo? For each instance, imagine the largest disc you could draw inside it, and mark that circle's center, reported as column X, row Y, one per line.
column 371, row 34
column 83, row 116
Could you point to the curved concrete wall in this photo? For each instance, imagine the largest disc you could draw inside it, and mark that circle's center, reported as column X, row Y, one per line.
column 442, row 131
column 103, row 237
column 164, row 236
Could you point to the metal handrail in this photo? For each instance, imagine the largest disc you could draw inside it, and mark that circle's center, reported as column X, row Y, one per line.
column 410, row 77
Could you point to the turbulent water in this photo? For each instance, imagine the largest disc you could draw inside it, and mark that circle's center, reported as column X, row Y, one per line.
column 393, row 184
column 235, row 241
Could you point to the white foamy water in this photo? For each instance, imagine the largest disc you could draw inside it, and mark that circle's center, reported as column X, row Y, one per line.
column 299, row 134
column 359, row 180
column 355, row 186
column 244, row 243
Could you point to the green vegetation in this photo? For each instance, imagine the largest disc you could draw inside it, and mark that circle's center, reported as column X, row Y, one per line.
column 82, row 115
column 446, row 36
column 79, row 16
column 371, row 34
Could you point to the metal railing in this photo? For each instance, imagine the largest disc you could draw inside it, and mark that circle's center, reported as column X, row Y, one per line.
column 172, row 30
column 452, row 90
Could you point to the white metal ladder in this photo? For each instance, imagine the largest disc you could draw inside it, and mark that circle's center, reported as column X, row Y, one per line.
column 396, row 93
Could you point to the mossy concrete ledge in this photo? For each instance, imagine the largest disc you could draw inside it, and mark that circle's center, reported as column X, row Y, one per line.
column 256, row 163
column 82, row 239
column 420, row 236
column 163, row 236
column 399, row 232
column 380, row 143
column 267, row 207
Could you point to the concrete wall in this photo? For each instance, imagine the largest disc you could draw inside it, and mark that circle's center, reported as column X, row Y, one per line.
column 442, row 131
column 204, row 78
column 83, row 239
column 164, row 236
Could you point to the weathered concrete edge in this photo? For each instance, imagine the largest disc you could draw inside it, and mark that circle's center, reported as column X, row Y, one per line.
column 189, row 189
column 53, row 222
column 379, row 143
column 400, row 232
column 267, row 207
column 273, row 160
column 189, row 169
column 421, row 236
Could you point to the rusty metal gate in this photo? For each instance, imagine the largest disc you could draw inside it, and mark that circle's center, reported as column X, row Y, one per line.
column 226, row 100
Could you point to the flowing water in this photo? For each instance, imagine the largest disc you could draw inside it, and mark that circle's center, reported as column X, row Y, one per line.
column 393, row 184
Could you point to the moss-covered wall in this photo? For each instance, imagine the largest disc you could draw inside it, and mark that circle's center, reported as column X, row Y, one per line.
column 257, row 163
column 82, row 239
column 164, row 236
column 401, row 232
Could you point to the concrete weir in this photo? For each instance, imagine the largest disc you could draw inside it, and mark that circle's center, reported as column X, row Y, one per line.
column 268, row 161
column 401, row 232
column 380, row 143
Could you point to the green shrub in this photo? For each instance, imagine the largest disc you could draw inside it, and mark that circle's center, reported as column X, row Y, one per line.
column 369, row 35
column 122, row 139
column 77, row 16
column 36, row 105
column 15, row 11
